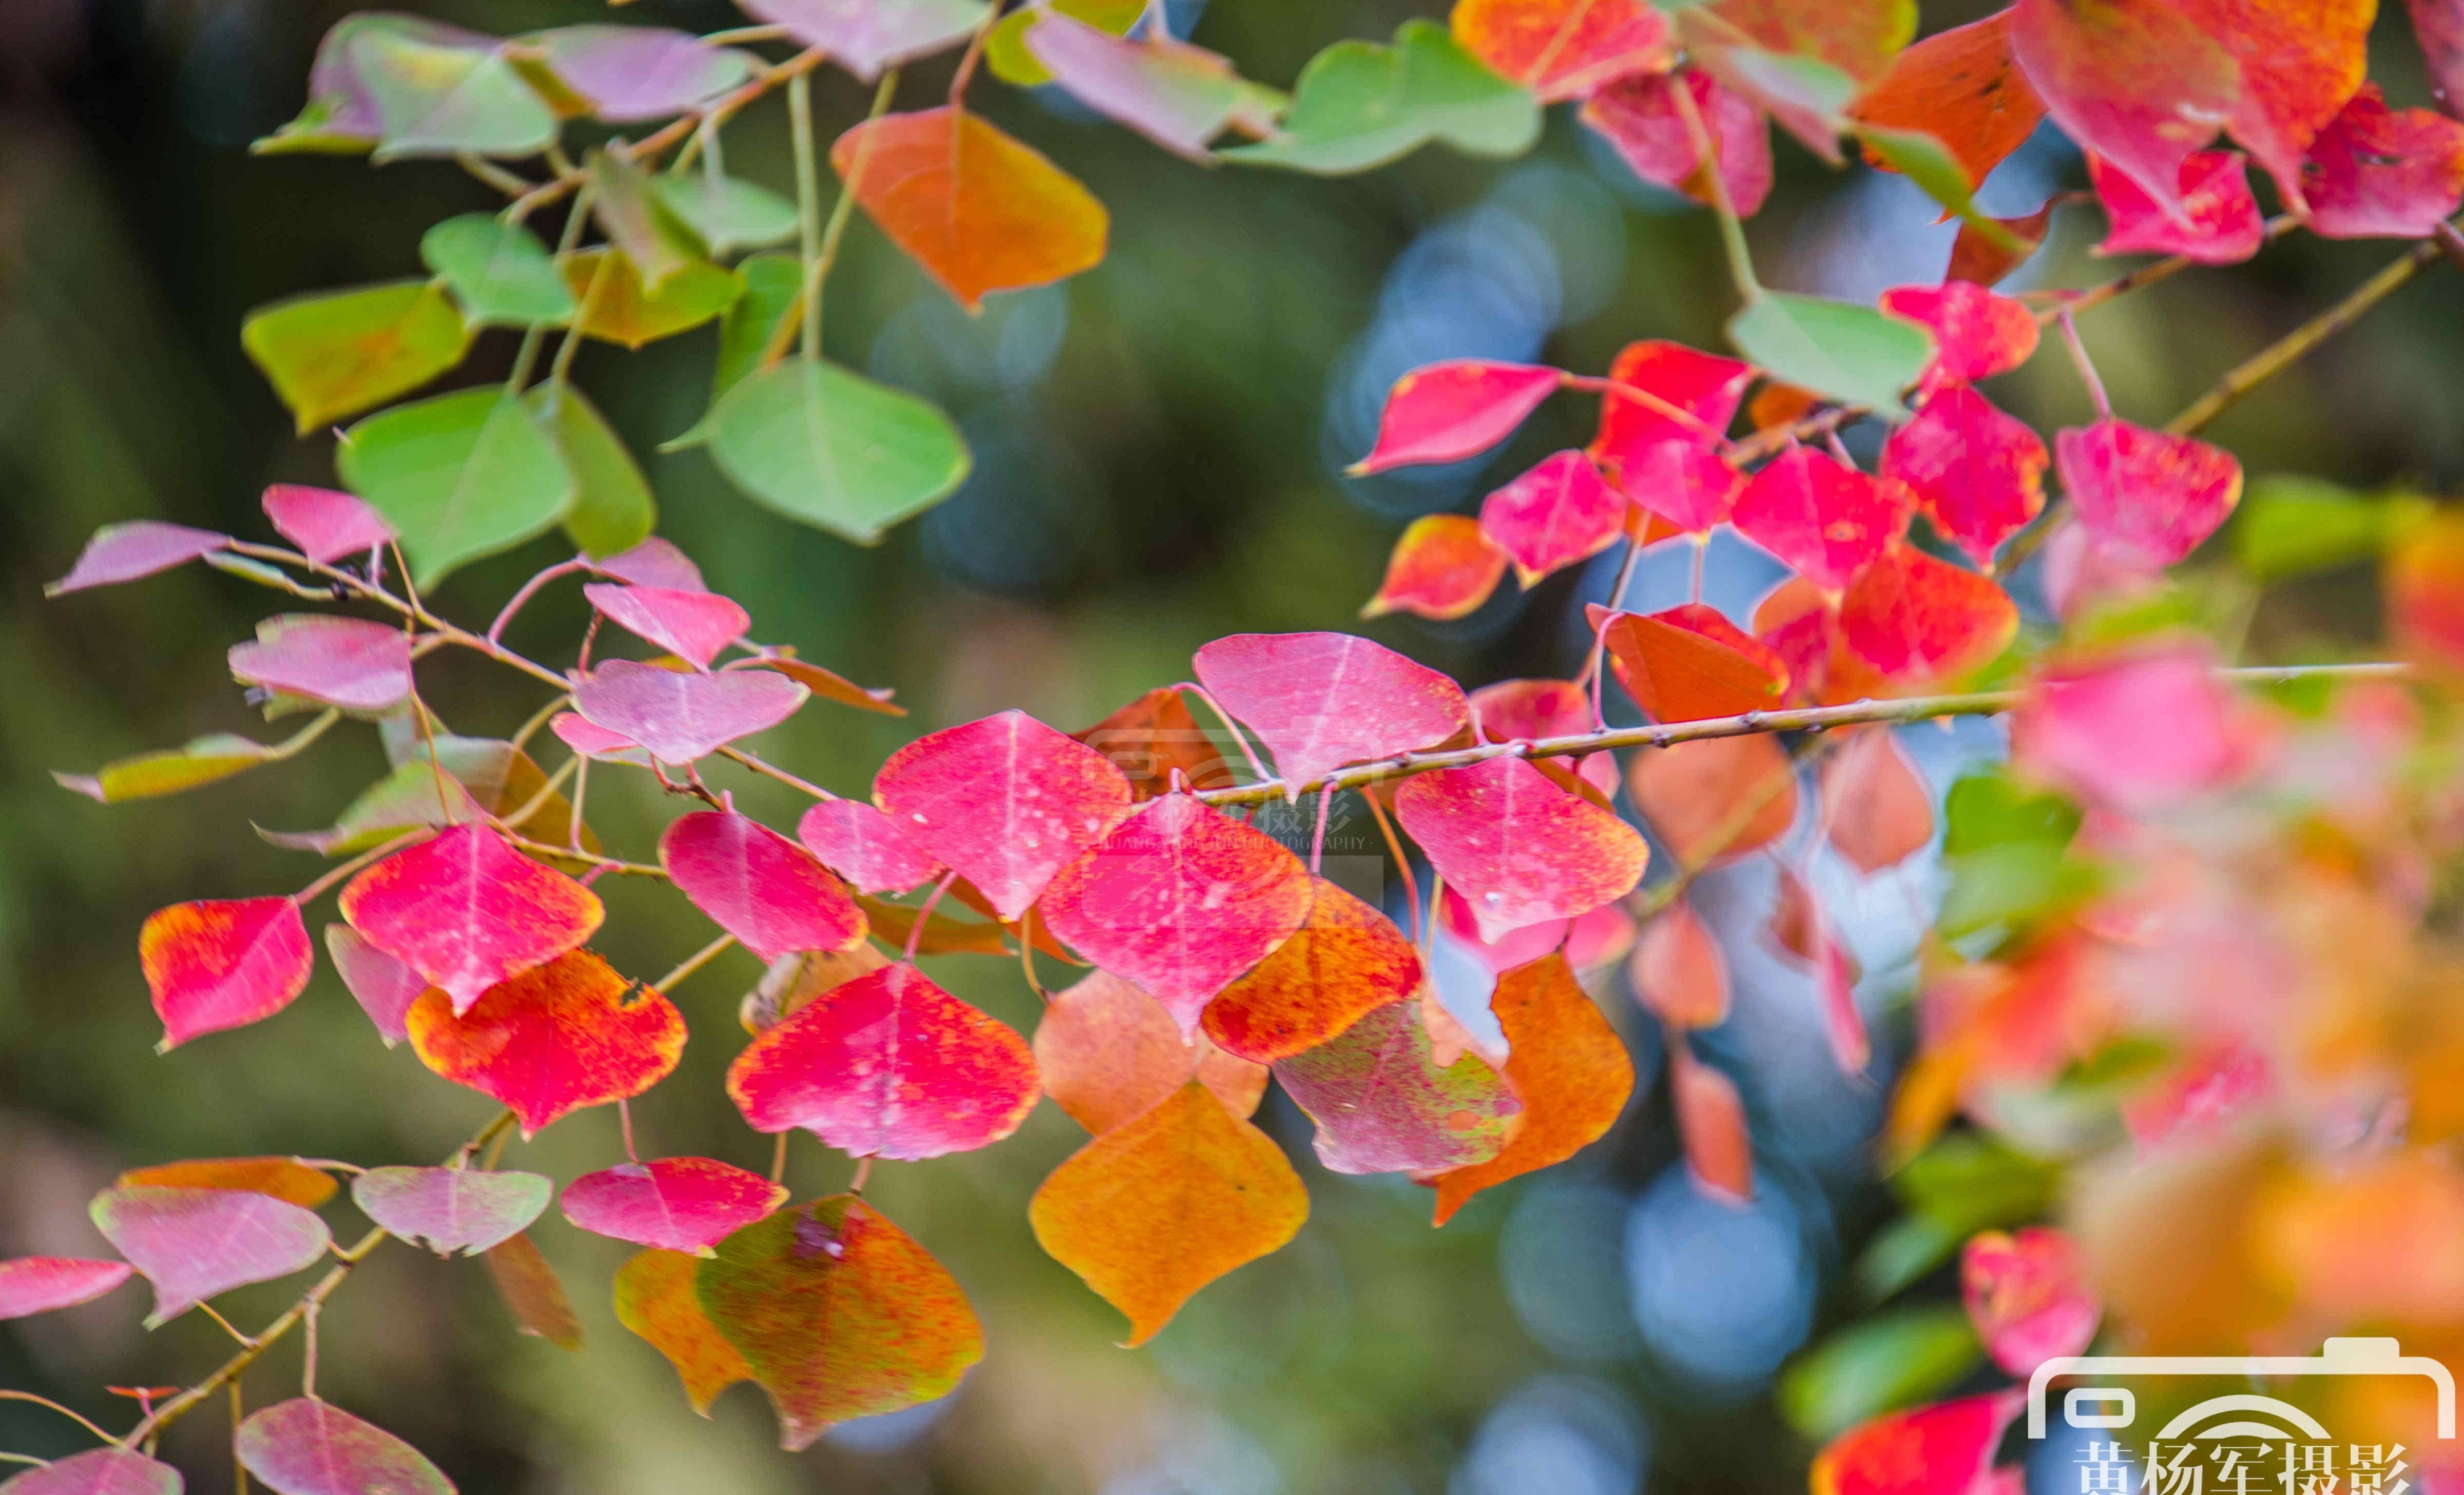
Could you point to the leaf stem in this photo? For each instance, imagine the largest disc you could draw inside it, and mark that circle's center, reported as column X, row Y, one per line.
column 808, row 208
column 694, row 962
column 1706, row 150
column 69, row 1413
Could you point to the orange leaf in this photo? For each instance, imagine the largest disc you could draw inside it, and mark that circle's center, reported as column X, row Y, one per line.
column 1565, row 1061
column 1919, row 621
column 1711, row 1123
column 2300, row 60
column 2139, row 82
column 979, row 210
column 1679, row 973
column 2425, row 593
column 1690, row 662
column 1716, row 800
column 285, row 1179
column 1937, row 1450
column 654, row 1299
column 1875, row 806
column 1347, row 960
column 1149, row 1212
column 1961, row 87
column 566, row 1035
column 1151, row 737
column 531, row 1292
column 223, row 963
column 1443, row 567
column 1564, row 49
column 1108, row 1052
column 1859, row 37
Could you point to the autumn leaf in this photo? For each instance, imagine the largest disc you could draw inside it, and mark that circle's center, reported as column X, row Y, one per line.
column 1384, row 1103
column 468, row 912
column 97, row 1471
column 139, row 548
column 1977, row 472
column 1007, row 802
column 1689, row 662
column 2138, row 82
column 532, row 1293
column 1520, row 849
column 2298, row 61
column 1681, row 975
column 284, row 1179
column 1711, row 1124
column 1566, row 1062
column 1682, row 484
column 2210, row 218
column 683, row 717
column 221, row 964
column 1559, row 513
column 31, row 1284
column 655, row 1300
column 1821, row 516
column 1108, row 1052
column 2027, row 1294
column 1877, row 810
column 1175, row 95
column 686, row 1204
column 2149, row 496
column 1443, row 412
column 2138, row 731
column 556, row 1038
column 1347, row 960
column 1322, row 700
column 2377, row 172
column 352, row 663
column 772, row 895
column 195, row 1244
column 872, row 851
column 1918, row 622
column 1153, row 737
column 1976, row 334
column 383, row 987
column 1936, row 1450
column 309, row 1447
column 325, row 523
column 468, row 1210
column 336, row 353
column 1716, row 800
column 1961, row 87
column 1703, row 391
column 864, row 36
column 1564, row 49
column 1640, row 118
column 694, row 625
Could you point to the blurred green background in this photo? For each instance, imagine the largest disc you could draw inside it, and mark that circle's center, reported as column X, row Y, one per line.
column 1157, row 454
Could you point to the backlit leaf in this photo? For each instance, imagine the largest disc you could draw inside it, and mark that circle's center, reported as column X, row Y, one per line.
column 1977, row 472
column 1682, row 484
column 221, row 964
column 1175, row 95
column 838, row 1314
column 1559, row 513
column 1152, row 736
column 1706, row 387
column 672, row 1203
column 872, row 851
column 528, row 1287
column 1384, row 1103
column 832, row 449
column 1150, row 1211
column 1716, row 800
column 411, row 87
column 1358, row 105
column 1688, row 663
column 2298, row 60
column 467, row 912
column 285, row 1179
column 337, row 353
column 772, row 895
column 1640, row 118
column 864, row 36
column 1520, row 849
column 654, row 1299
column 1877, row 810
column 2138, row 82
column 1824, row 518
column 1321, row 700
column 617, row 307
column 1921, row 622
column 1976, row 333
column 2149, row 496
column 325, row 523
column 1936, row 1450
column 1006, row 801
column 307, row 1446
column 1443, row 567
column 39, row 1284
column 625, row 74
column 1565, row 1061
column 193, row 1244
column 1564, row 49
column 1681, row 975
column 1107, row 1052
column 1963, row 87
column 383, row 987
column 134, row 548
column 1346, row 961
column 681, row 717
column 2377, row 172
column 613, row 509
column 566, row 1035
column 1844, row 349
column 459, row 476
column 887, row 1066
column 2027, row 1296
column 696, row 627
column 499, row 272
column 1442, row 412
column 468, row 1209
column 352, row 663
column 2211, row 217
column 97, row 1471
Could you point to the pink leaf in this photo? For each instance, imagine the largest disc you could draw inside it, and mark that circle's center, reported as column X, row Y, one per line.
column 1558, row 513
column 383, row 987
column 630, row 73
column 1522, row 850
column 466, row 911
column 1820, row 516
column 97, row 1471
column 864, row 36
column 325, row 523
column 772, row 895
column 1703, row 386
column 2141, row 85
column 1638, row 118
column 2220, row 223
column 1007, row 802
column 1681, row 975
column 349, row 662
column 1446, row 411
column 592, row 740
column 2136, row 733
column 140, row 547
column 2149, row 497
column 451, row 1209
column 672, row 1203
column 1877, row 810
column 2376, row 173
column 1978, row 473
column 221, row 964
column 193, row 1243
column 865, row 847
column 654, row 563
column 1711, row 1125
column 1976, row 334
column 682, row 718
column 2027, row 1295
column 1173, row 94
column 305, row 1446
column 1686, row 483
column 40, row 1284
column 694, row 625
column 1322, row 700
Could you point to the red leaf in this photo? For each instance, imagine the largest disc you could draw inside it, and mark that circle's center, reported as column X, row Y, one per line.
column 2147, row 496
column 865, row 847
column 2298, row 61
column 2213, row 218
column 193, row 1244
column 1444, row 412
column 1531, row 709
column 347, row 662
column 305, row 1446
column 1565, row 1061
column 1522, row 849
column 1689, row 663
column 137, row 548
column 1007, row 802
column 1322, row 700
column 654, row 563
column 223, row 964
column 1711, row 1125
column 682, row 716
column 2376, row 173
column 1153, row 736
column 39, row 1284
column 674, row 1204
column 1976, row 333
column 1877, row 810
column 325, row 523
column 1942, row 1449
column 887, row 1066
column 694, row 625
column 1717, row 799
column 1554, row 516
column 1823, row 517
column 2438, row 25
column 1684, row 483
column 1639, row 116
column 2027, row 1295
column 2138, row 82
column 772, row 895
column 1179, row 898
column 1384, row 1103
column 1443, row 567
column 1961, row 87
column 1706, row 387
column 553, row 1039
column 466, row 911
column 1681, row 976
column 1918, row 621
column 1564, row 49
column 98, row 1471
column 1108, row 1052
column 383, row 987
column 1976, row 471
column 1347, row 960
column 468, row 1209
column 2136, row 731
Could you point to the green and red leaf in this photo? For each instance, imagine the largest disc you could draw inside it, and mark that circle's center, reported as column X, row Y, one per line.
column 468, row 1210
column 1384, row 1103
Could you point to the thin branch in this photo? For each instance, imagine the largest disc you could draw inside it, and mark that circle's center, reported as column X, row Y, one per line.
column 69, row 1413
column 694, row 962
column 808, row 208
column 2294, row 345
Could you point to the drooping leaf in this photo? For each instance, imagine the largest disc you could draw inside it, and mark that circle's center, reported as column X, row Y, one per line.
column 1443, row 412
column 97, row 1471
column 864, row 36
column 193, row 1244
column 1976, row 333
column 1559, row 513
column 1920, row 622
column 2211, row 217
column 654, row 1299
column 727, row 214
column 358, row 665
column 872, row 851
column 468, row 1209
column 1844, row 349
column 1384, row 1103
column 832, row 449
column 1443, row 567
column 309, row 1447
column 1564, row 49
column 1175, row 95
column 1640, row 118
column 1566, row 1062
column 284, row 1179
column 499, row 272
column 1520, row 849
column 1716, row 800
column 556, row 1038
column 613, row 509
column 134, row 548
column 1008, row 801
column 1710, row 1125
column 1821, row 517
column 1688, row 662
column 829, row 685
column 1681, row 975
column 2028, row 1295
column 529, row 1291
column 336, row 353
column 625, row 73
column 1984, row 258
column 1963, row 87
column 1321, row 700
column 221, row 964
column 1108, row 1052
column 1153, row 1210
column 459, row 476
column 1704, row 389
column 31, row 1284
column 383, row 987
column 198, row 761
column 2377, row 172
column 887, row 1066
column 1346, row 961
column 2148, row 495
column 467, row 912
column 1936, row 1450
column 1154, row 736
column 325, row 523
column 1978, row 473
column 686, row 1204
column 772, row 895
column 1358, row 105
column 2138, row 82
column 1877, row 810
column 838, row 1314
column 653, row 241
column 615, row 305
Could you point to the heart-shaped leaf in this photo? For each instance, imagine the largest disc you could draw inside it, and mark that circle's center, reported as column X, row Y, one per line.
column 1848, row 351
column 772, row 895
column 834, row 449
column 1007, row 802
column 466, row 911
column 1564, row 49
column 1443, row 567
column 1443, row 412
column 305, row 1446
column 1322, row 700
column 1689, row 663
column 351, row 663
column 694, row 625
column 1384, row 1103
column 451, row 1209
column 1821, row 516
column 1978, row 473
column 1108, row 1052
column 1175, row 95
column 654, row 1299
column 337, row 353
column 2150, row 495
column 499, row 272
column 864, row 36
column 459, row 476
column 1358, row 105
column 625, row 73
column 1520, row 849
column 869, row 850
column 561, row 1035
column 1681, row 975
column 325, row 523
column 221, row 964
column 97, row 1471
column 193, row 1244
column 672, row 1203
column 1716, row 800
column 1344, row 961
column 1554, row 516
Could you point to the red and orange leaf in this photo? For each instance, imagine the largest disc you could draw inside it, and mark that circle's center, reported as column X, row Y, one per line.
column 1821, row 517
column 1566, row 1062
column 865, row 847
column 31, row 1284
column 1877, row 810
column 1384, row 1103
column 1322, row 700
column 2028, row 1295
column 1688, row 486
column 1522, row 849
column 1941, row 1449
column 326, row 525
column 2298, row 60
column 1007, row 802
column 827, row 684
column 1689, row 662
column 347, row 662
column 1716, row 800
column 772, row 895
column 467, row 912
column 309, row 1447
column 1977, row 472
column 134, row 548
column 684, row 716
column 532, row 1293
column 1179, row 898
column 2424, row 583
column 1976, row 334
column 2138, row 82
column 1531, row 709
column 1704, row 389
column 654, row 1299
column 2376, row 173
column 1681, row 975
column 978, row 209
column 685, row 1204
column 1711, row 1124
column 1443, row 412
column 1346, row 961
column 1108, row 1051
column 194, row 1243
column 1564, row 49
column 1961, row 87
column 2147, row 496
column 1557, row 513
column 468, row 1209
column 1152, row 736
column 887, row 1066
column 1918, row 622
column 553, row 1039
column 285, row 1179
column 2136, row 731
column 694, row 625
column 1640, row 118
column 2213, row 218
column 1977, row 257
column 1443, row 567
column 221, row 964
column 383, row 987
column 838, row 1314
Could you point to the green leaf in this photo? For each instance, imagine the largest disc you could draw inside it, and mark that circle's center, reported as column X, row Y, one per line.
column 337, row 353
column 658, row 245
column 1927, row 161
column 727, row 213
column 1849, row 352
column 617, row 308
column 199, row 762
column 1903, row 1251
column 1990, row 808
column 1359, row 105
column 1968, row 1180
column 835, row 450
column 612, row 508
column 1005, row 50
column 499, row 271
column 1880, row 1365
column 2290, row 524
column 460, row 476
column 437, row 99
column 770, row 285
